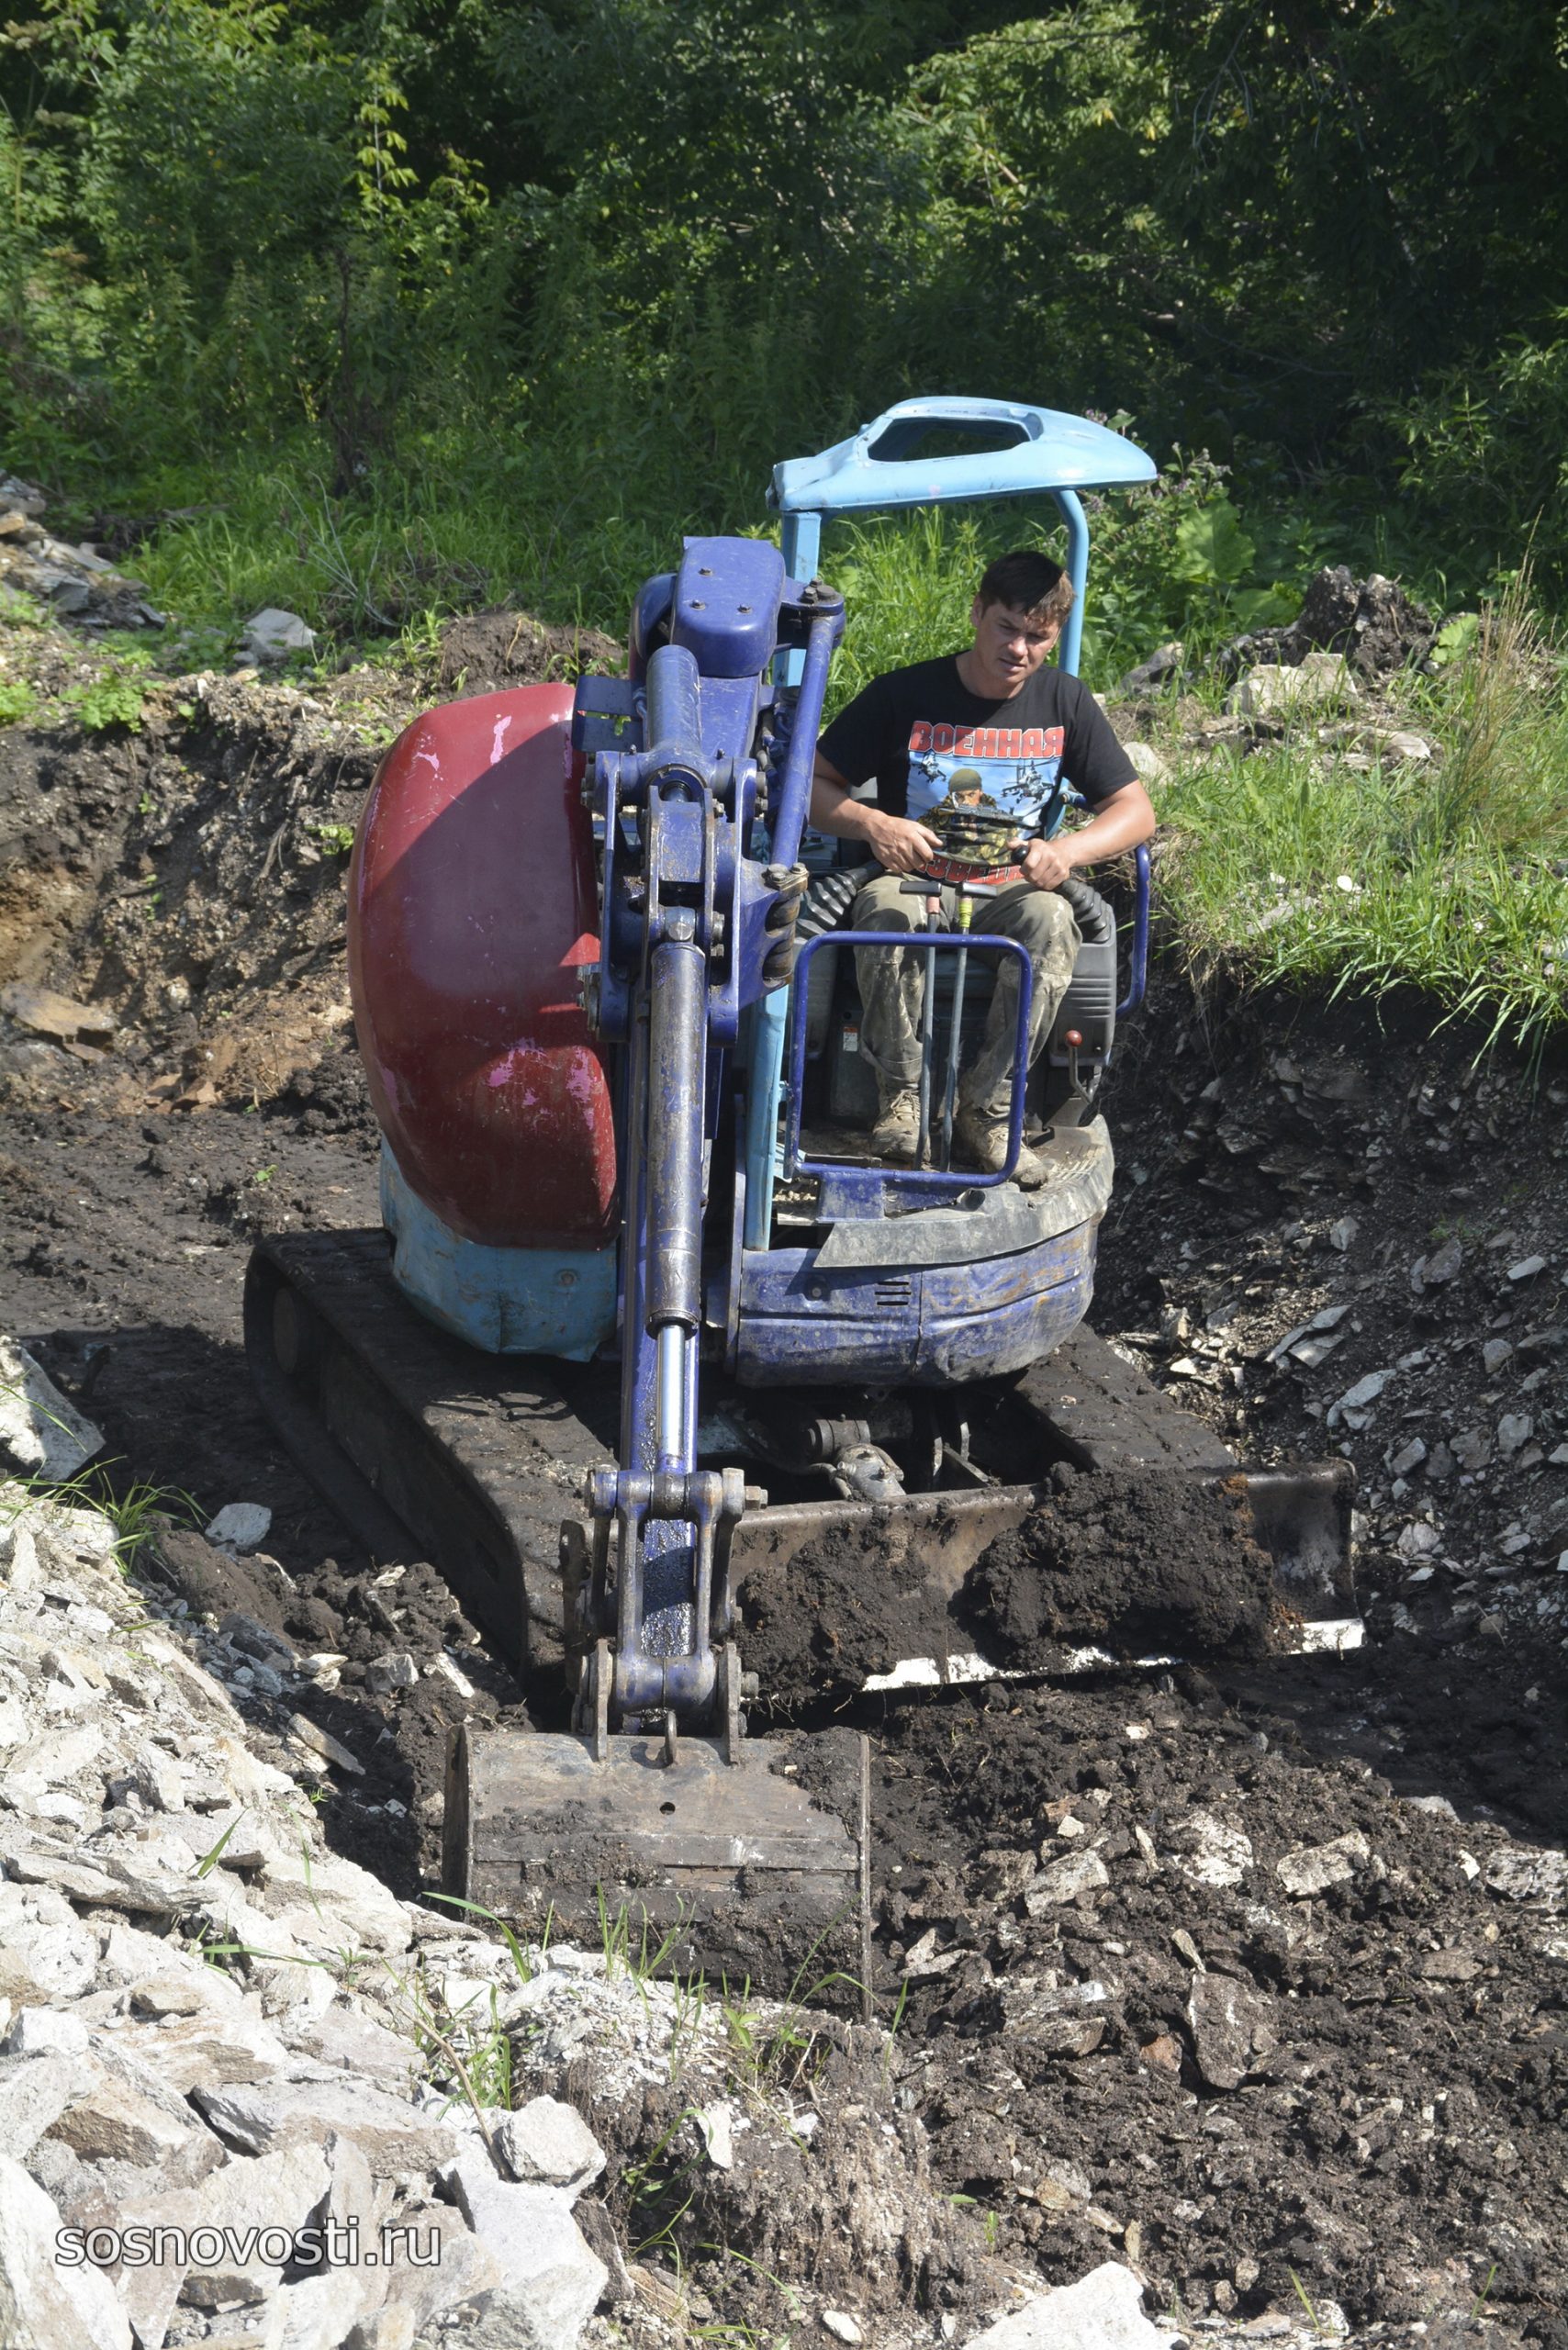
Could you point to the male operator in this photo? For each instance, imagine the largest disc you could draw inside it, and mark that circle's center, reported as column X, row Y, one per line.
column 1001, row 728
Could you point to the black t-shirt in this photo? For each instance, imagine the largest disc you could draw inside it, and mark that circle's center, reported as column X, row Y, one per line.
column 927, row 739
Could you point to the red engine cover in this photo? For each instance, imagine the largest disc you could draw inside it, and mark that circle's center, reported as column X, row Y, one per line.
column 472, row 905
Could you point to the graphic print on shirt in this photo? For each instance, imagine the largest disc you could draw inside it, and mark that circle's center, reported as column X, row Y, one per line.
column 1013, row 771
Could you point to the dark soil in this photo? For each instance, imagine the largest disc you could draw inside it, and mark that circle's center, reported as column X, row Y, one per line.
column 1369, row 2094
column 1138, row 1565
column 486, row 653
column 847, row 1604
column 1392, row 2097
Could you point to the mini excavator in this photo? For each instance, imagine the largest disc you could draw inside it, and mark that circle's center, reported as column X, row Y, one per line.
column 608, row 1024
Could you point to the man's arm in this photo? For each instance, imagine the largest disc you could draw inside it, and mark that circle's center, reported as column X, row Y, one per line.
column 896, row 842
column 1122, row 820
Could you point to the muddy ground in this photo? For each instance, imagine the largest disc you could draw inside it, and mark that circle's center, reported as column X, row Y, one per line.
column 1125, row 2032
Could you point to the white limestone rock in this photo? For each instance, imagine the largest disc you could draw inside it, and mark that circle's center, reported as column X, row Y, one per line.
column 34, row 2093
column 53, row 2032
column 122, row 2110
column 351, row 1909
column 1069, row 1879
column 41, row 1432
column 1103, row 2311
column 548, row 2144
column 262, row 2119
column 318, row 2312
column 1208, row 1850
column 344, row 2036
column 272, row 634
column 462, row 2268
column 1148, row 764
column 45, row 2305
column 1311, row 1868
column 1321, row 682
column 278, row 2191
column 45, row 1953
column 552, row 2282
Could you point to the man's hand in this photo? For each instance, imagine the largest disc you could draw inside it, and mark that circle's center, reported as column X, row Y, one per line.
column 899, row 844
column 1045, row 864
column 1122, row 820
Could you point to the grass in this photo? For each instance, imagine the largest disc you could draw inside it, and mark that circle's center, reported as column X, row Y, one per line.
column 1455, row 877
column 133, row 1510
column 1286, row 866
column 454, row 526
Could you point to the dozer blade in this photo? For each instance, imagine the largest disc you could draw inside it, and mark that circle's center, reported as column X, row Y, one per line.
column 1300, row 1516
column 878, row 1590
column 757, row 1868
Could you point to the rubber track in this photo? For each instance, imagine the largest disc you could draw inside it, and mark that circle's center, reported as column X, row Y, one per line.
column 468, row 1459
column 1105, row 1414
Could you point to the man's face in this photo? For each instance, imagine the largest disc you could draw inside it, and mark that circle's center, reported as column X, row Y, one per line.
column 1009, row 647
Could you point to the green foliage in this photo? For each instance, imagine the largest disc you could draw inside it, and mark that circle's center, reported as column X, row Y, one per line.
column 135, row 1507
column 1285, row 866
column 110, row 699
column 337, row 840
column 1166, row 561
column 17, row 700
column 607, row 260
column 1211, row 548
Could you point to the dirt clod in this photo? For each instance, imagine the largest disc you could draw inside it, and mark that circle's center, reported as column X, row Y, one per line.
column 1153, row 1564
column 849, row 1603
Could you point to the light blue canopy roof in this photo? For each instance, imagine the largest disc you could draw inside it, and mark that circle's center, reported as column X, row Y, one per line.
column 1043, row 450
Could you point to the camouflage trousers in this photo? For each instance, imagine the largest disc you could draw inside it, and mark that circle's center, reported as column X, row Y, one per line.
column 892, row 984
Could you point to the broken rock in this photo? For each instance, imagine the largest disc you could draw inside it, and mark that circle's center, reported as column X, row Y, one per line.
column 1103, row 2311
column 552, row 2281
column 272, row 634
column 263, row 2118
column 549, row 2143
column 41, row 1432
column 34, row 2093
column 1311, row 1868
column 45, row 1953
column 1231, row 2032
column 463, row 2269
column 1075, row 1875
column 1442, row 1265
column 1519, row 1873
column 1272, row 690
column 239, row 1526
column 1208, row 1850
column 1472, row 1448
column 44, row 1013
column 46, row 2304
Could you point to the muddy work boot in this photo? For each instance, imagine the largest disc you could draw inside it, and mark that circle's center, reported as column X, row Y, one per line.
column 897, row 1130
column 982, row 1140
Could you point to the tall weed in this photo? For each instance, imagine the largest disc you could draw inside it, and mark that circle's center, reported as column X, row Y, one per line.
column 1291, row 864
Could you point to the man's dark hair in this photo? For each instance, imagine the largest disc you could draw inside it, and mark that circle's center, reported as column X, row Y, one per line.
column 1027, row 582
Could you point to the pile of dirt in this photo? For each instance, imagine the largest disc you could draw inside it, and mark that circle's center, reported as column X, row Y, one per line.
column 850, row 1602
column 487, row 653
column 1337, row 1230
column 1136, row 1565
column 1183, row 1980
column 1372, row 622
column 188, row 871
column 825, row 2182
